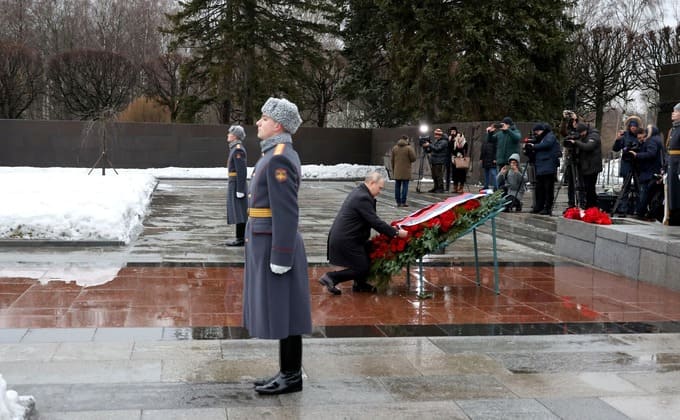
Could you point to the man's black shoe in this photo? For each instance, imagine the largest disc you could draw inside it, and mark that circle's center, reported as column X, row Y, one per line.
column 284, row 383
column 432, row 190
column 364, row 287
column 236, row 242
column 330, row 285
column 265, row 381
column 546, row 212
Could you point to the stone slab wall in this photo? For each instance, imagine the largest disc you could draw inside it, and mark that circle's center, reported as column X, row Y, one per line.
column 151, row 145
column 641, row 251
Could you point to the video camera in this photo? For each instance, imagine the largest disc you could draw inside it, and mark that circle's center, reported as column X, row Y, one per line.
column 626, row 152
column 497, row 125
column 528, row 147
column 572, row 136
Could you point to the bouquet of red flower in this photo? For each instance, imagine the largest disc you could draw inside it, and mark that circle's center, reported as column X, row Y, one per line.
column 591, row 215
column 428, row 229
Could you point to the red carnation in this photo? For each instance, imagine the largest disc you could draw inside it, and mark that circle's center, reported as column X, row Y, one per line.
column 471, row 204
column 573, row 213
column 433, row 222
column 447, row 219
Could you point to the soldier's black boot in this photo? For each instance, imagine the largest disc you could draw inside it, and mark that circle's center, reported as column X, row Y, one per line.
column 290, row 378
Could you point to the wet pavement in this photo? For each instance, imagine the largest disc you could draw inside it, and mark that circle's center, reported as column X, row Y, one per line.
column 157, row 334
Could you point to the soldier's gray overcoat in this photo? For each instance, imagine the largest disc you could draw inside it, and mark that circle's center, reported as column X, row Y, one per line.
column 237, row 170
column 276, row 306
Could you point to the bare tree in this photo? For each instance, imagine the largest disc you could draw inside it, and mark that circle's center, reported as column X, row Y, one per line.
column 20, row 79
column 322, row 90
column 603, row 68
column 170, row 80
column 658, row 47
column 129, row 27
column 17, row 23
column 91, row 83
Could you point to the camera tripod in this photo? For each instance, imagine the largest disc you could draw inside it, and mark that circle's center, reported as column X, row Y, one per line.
column 574, row 179
column 424, row 156
column 632, row 192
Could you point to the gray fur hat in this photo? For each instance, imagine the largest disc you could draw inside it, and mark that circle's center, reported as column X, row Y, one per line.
column 283, row 112
column 676, row 107
column 238, row 131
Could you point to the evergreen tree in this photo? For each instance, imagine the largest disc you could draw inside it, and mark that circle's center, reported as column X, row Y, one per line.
column 442, row 60
column 251, row 49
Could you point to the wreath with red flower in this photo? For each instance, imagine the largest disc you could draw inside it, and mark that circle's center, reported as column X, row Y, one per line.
column 590, row 215
column 389, row 255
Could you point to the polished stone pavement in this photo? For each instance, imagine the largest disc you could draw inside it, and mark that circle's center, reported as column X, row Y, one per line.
column 409, row 360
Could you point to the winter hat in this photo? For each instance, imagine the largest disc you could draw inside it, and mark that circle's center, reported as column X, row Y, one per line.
column 676, row 107
column 238, row 131
column 514, row 157
column 283, row 112
column 538, row 126
column 507, row 120
column 633, row 123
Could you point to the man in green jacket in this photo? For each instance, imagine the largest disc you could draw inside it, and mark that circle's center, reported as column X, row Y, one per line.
column 506, row 137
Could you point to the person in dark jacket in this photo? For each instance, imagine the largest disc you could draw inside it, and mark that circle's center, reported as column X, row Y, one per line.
column 348, row 240
column 546, row 160
column 568, row 129
column 589, row 148
column 237, row 168
column 487, row 157
column 672, row 217
column 276, row 299
column 627, row 140
column 402, row 159
column 649, row 160
column 439, row 153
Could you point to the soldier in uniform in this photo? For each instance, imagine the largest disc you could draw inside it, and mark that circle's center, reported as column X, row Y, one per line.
column 276, row 298
column 673, row 174
column 237, row 169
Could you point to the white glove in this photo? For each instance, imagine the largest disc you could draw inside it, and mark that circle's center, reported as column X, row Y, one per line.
column 278, row 269
column 240, row 195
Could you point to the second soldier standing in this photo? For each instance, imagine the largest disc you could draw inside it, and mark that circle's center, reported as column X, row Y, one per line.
column 237, row 171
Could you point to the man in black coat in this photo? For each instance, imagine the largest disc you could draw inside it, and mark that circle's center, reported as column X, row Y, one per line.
column 348, row 240
column 589, row 148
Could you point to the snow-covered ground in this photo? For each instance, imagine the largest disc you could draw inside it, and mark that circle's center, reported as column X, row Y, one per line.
column 68, row 204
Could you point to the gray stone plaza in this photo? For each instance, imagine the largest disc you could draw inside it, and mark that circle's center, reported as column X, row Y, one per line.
column 172, row 372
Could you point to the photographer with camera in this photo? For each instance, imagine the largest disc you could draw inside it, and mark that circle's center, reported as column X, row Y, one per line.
column 627, row 141
column 568, row 130
column 649, row 159
column 547, row 158
column 507, row 137
column 439, row 153
column 589, row 164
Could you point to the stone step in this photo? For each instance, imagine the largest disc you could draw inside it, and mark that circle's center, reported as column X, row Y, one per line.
column 530, row 230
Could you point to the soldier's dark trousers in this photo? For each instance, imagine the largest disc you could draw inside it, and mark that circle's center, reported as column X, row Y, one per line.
column 240, row 230
column 290, row 354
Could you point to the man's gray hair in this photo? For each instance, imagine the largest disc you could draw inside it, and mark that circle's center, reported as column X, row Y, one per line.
column 374, row 176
